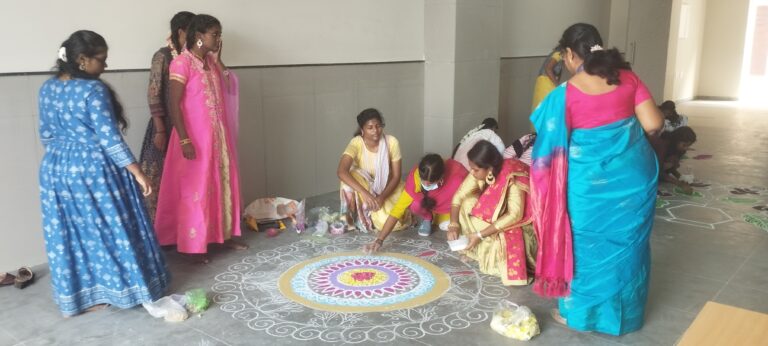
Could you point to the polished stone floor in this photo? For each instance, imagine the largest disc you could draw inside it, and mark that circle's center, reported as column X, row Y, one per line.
column 709, row 246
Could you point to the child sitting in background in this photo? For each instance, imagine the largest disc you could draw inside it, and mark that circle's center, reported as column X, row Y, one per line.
column 672, row 119
column 670, row 149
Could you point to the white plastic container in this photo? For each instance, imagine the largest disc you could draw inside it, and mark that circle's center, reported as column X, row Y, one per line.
column 459, row 244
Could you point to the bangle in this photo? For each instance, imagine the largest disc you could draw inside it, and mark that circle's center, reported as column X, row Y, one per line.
column 479, row 235
column 454, row 224
column 185, row 141
column 379, row 241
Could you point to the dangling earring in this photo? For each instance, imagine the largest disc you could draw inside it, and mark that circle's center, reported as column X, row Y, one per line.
column 199, row 43
column 490, row 179
column 82, row 66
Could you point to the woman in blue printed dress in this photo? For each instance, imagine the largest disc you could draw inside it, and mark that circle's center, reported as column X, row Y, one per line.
column 101, row 247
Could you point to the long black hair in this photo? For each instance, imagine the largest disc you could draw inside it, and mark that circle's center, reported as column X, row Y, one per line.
column 180, row 21
column 88, row 44
column 581, row 38
column 682, row 134
column 366, row 115
column 485, row 155
column 201, row 23
column 431, row 168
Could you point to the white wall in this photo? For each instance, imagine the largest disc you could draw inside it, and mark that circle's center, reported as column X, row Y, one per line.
column 295, row 120
column 724, row 34
column 533, row 27
column 617, row 32
column 685, row 49
column 530, row 29
column 256, row 32
column 648, row 38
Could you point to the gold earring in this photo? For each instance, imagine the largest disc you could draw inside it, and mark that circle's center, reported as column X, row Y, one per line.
column 82, row 66
column 490, row 179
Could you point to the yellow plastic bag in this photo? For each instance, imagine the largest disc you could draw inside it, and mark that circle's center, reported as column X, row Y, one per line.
column 515, row 321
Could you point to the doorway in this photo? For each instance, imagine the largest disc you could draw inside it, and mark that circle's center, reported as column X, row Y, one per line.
column 754, row 74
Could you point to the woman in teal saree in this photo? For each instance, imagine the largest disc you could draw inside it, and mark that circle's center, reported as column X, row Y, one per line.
column 594, row 178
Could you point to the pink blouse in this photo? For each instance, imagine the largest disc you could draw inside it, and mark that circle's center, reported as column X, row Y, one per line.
column 589, row 111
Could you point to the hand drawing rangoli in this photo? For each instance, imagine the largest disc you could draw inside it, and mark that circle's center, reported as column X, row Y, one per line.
column 353, row 282
column 333, row 294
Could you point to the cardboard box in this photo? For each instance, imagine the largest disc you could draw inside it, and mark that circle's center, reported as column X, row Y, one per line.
column 719, row 324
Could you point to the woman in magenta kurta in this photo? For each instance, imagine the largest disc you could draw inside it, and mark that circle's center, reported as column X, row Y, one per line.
column 200, row 203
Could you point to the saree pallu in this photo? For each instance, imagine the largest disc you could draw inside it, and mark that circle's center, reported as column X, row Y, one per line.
column 549, row 178
column 612, row 181
column 508, row 255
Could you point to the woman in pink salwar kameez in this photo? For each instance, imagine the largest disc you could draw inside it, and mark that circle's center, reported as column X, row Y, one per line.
column 199, row 201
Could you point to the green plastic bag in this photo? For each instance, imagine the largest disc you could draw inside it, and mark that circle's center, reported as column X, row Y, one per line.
column 197, row 300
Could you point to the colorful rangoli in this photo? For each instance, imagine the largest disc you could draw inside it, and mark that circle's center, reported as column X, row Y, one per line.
column 406, row 293
column 352, row 282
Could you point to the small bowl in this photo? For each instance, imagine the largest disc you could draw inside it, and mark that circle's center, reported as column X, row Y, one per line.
column 337, row 228
column 459, row 244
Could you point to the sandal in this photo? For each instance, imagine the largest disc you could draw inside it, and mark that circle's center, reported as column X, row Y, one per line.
column 7, row 279
column 26, row 277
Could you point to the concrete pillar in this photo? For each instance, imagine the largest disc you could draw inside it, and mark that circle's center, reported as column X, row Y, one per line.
column 462, row 71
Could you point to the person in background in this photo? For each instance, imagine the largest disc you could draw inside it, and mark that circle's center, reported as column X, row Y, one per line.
column 670, row 150
column 549, row 76
column 156, row 137
column 485, row 131
column 672, row 119
column 521, row 149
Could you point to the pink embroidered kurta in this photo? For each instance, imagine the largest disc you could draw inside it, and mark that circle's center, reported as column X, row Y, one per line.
column 199, row 201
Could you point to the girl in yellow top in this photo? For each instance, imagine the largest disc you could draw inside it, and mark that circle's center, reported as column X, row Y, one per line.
column 370, row 171
column 428, row 193
column 549, row 77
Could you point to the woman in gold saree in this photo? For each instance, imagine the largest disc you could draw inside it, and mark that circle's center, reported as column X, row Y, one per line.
column 490, row 209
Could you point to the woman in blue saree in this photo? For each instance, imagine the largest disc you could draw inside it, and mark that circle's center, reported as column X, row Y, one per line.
column 594, row 179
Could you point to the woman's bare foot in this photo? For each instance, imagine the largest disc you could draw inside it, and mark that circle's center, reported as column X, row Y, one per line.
column 235, row 245
column 555, row 313
column 350, row 226
column 96, row 307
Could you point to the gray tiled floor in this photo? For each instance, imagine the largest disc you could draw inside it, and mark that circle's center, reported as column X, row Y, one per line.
column 691, row 265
